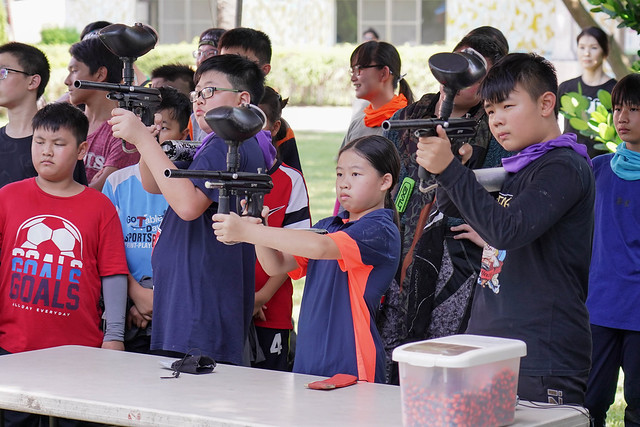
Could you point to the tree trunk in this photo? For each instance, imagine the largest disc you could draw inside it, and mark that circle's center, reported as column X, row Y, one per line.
column 620, row 64
column 227, row 13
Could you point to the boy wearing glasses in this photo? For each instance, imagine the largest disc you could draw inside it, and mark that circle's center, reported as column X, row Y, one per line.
column 206, row 50
column 24, row 74
column 203, row 289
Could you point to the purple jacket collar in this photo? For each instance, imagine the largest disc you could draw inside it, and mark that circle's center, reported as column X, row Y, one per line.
column 529, row 154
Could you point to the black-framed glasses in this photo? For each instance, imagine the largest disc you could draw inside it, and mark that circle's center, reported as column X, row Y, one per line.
column 206, row 53
column 208, row 92
column 4, row 72
column 357, row 69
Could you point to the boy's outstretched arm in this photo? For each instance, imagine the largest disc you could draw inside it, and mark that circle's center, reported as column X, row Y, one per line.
column 184, row 197
column 285, row 241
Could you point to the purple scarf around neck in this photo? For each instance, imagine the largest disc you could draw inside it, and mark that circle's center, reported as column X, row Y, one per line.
column 529, row 154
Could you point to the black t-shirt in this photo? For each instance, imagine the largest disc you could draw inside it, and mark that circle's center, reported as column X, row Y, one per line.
column 16, row 164
column 591, row 93
column 542, row 222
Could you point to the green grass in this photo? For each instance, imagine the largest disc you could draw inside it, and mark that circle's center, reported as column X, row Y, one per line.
column 318, row 152
column 615, row 415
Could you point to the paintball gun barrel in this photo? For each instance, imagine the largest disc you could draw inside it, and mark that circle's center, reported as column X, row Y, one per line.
column 143, row 101
column 252, row 186
column 456, row 128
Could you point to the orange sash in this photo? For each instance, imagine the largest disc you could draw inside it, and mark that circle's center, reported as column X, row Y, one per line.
column 374, row 118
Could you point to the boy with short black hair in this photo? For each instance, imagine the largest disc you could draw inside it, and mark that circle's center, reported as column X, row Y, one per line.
column 141, row 214
column 203, row 290
column 178, row 76
column 535, row 265
column 24, row 73
column 252, row 44
column 92, row 61
column 60, row 243
column 256, row 46
column 614, row 279
column 60, row 246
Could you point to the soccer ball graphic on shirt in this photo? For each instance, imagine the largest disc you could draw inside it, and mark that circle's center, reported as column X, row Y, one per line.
column 51, row 235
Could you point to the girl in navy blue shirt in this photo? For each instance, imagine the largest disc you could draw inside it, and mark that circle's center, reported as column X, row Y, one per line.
column 348, row 269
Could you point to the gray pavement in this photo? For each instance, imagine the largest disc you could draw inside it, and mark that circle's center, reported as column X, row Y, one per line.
column 327, row 119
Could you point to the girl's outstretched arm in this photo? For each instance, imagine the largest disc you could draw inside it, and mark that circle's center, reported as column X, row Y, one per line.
column 232, row 228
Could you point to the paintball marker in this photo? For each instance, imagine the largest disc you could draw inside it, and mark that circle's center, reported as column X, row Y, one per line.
column 179, row 150
column 234, row 125
column 128, row 43
column 455, row 71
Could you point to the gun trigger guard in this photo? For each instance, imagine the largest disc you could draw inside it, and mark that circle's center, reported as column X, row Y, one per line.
column 126, row 150
column 428, row 188
column 424, row 132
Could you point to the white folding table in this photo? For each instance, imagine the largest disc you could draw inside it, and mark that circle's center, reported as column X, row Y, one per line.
column 121, row 388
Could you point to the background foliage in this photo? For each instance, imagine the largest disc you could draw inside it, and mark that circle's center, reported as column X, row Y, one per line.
column 598, row 124
column 3, row 23
column 59, row 35
column 626, row 12
column 306, row 75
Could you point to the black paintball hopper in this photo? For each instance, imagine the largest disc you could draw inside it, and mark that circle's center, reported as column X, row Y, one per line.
column 128, row 42
column 458, row 70
column 234, row 123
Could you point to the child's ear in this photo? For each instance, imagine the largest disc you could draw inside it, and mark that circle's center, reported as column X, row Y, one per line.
column 387, row 179
column 276, row 127
column 185, row 133
column 386, row 73
column 266, row 68
column 547, row 102
column 245, row 98
column 82, row 149
column 101, row 74
column 35, row 82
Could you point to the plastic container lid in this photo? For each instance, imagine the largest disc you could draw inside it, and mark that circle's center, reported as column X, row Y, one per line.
column 459, row 351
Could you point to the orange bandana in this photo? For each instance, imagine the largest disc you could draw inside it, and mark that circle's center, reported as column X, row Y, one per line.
column 374, row 118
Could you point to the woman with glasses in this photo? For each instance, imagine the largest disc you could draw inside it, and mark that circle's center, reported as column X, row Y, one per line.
column 375, row 75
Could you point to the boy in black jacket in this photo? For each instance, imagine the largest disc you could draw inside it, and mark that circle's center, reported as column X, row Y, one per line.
column 535, row 264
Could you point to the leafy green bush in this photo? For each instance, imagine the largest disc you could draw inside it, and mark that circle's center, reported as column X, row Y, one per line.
column 309, row 75
column 59, row 35
column 598, row 124
column 627, row 12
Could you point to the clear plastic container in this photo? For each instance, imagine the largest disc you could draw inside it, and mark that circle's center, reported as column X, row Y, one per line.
column 459, row 380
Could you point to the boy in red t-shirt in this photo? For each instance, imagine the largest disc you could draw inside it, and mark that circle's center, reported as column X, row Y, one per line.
column 61, row 245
